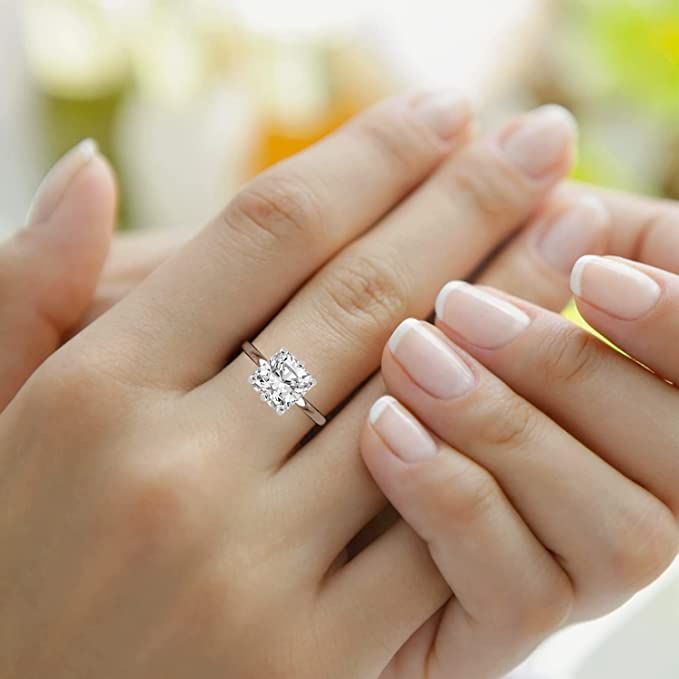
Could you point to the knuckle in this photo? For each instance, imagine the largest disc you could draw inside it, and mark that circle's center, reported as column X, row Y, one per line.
column 507, row 421
column 545, row 609
column 363, row 291
column 569, row 355
column 644, row 548
column 154, row 509
column 656, row 230
column 394, row 139
column 490, row 188
column 470, row 496
column 276, row 207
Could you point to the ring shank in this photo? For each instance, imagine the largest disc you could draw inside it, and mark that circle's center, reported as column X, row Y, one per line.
column 255, row 355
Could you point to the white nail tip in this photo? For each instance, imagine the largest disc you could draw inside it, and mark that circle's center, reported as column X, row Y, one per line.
column 379, row 407
column 401, row 331
column 88, row 148
column 442, row 296
column 578, row 270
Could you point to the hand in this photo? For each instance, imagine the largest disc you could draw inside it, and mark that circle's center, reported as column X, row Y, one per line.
column 49, row 269
column 196, row 533
column 131, row 259
column 542, row 470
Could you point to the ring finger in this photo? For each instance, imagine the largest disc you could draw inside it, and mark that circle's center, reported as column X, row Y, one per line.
column 340, row 320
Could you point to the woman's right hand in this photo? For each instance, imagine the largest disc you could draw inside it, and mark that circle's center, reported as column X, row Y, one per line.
column 158, row 521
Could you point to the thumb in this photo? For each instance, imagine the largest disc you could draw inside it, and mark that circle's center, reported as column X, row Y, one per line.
column 50, row 268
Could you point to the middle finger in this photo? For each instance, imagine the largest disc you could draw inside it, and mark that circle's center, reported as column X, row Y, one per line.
column 340, row 320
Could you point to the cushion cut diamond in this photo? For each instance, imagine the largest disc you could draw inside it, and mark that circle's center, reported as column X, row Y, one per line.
column 282, row 381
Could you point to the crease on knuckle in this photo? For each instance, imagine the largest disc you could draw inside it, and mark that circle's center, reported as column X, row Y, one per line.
column 652, row 226
column 469, row 496
column 363, row 291
column 646, row 545
column 548, row 607
column 274, row 209
column 490, row 189
column 395, row 140
column 569, row 355
column 507, row 422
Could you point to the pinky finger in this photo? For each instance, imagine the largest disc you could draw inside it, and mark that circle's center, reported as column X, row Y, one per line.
column 509, row 592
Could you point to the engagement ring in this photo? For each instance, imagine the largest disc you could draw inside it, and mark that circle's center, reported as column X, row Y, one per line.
column 282, row 382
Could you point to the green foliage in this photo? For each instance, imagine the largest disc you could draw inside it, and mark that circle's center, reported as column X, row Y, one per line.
column 637, row 43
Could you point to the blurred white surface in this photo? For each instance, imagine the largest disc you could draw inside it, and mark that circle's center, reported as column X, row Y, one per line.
column 432, row 44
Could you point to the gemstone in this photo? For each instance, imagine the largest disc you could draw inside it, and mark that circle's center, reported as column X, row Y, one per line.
column 282, row 381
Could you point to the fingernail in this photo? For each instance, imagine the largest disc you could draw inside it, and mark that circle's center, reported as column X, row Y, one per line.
column 400, row 431
column 429, row 361
column 614, row 287
column 540, row 140
column 55, row 183
column 445, row 112
column 579, row 230
column 479, row 317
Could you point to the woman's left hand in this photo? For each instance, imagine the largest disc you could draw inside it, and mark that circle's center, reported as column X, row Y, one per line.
column 540, row 465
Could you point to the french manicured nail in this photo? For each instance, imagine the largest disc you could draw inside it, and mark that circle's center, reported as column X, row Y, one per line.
column 579, row 230
column 429, row 361
column 446, row 112
column 614, row 287
column 479, row 317
column 540, row 140
column 400, row 431
column 54, row 185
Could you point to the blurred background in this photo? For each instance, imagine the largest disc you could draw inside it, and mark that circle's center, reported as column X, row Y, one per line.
column 190, row 98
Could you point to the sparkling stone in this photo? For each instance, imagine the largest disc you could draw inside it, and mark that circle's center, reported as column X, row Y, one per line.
column 282, row 381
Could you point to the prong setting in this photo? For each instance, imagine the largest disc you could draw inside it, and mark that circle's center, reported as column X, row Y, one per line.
column 282, row 381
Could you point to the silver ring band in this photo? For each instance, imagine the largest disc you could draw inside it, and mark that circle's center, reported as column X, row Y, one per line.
column 256, row 356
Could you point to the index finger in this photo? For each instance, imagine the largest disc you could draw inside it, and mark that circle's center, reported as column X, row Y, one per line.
column 193, row 312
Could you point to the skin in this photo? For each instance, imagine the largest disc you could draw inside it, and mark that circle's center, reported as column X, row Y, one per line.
column 49, row 271
column 537, row 495
column 190, row 580
column 189, row 530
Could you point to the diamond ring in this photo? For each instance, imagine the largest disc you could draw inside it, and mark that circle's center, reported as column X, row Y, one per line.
column 282, row 382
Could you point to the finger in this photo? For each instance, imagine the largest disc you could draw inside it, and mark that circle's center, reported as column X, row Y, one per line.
column 613, row 406
column 578, row 506
column 644, row 229
column 536, row 264
column 509, row 591
column 340, row 320
column 526, row 267
column 375, row 602
column 132, row 258
column 333, row 479
column 635, row 306
column 49, row 269
column 278, row 230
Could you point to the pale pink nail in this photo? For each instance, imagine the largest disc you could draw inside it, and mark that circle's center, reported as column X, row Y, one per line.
column 481, row 318
column 430, row 361
column 446, row 112
column 540, row 140
column 400, row 431
column 578, row 230
column 614, row 287
column 55, row 183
